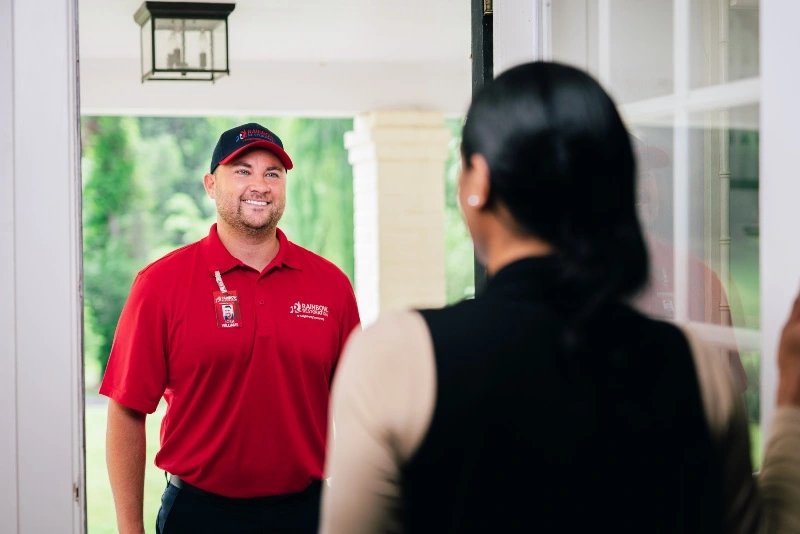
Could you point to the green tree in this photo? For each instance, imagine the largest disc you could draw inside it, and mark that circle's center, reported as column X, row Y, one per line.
column 115, row 226
column 319, row 210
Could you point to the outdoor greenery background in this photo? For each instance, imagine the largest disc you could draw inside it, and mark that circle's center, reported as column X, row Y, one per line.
column 143, row 197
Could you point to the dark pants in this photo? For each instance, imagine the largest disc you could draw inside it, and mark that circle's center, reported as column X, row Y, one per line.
column 183, row 512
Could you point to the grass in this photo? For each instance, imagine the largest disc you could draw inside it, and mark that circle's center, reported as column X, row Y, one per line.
column 101, row 516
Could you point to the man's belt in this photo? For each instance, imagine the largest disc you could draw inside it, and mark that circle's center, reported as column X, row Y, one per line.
column 181, row 484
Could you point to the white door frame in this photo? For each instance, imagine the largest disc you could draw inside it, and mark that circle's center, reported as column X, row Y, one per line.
column 41, row 391
column 778, row 214
column 41, row 364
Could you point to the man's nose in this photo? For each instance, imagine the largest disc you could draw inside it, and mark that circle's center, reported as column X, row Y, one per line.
column 259, row 184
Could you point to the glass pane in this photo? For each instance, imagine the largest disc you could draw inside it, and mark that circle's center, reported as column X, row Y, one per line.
column 639, row 51
column 219, row 48
column 724, row 41
column 147, row 47
column 169, row 49
column 190, row 44
column 574, row 33
column 722, row 212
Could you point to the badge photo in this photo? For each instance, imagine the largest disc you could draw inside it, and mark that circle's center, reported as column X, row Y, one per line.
column 226, row 305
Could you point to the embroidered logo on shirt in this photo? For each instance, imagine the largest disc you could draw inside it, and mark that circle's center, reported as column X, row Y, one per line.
column 309, row 311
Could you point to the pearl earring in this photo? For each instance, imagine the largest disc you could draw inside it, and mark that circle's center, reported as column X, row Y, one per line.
column 473, row 200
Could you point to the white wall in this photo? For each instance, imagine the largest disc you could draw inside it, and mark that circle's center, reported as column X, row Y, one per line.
column 287, row 88
column 780, row 187
column 40, row 319
column 287, row 57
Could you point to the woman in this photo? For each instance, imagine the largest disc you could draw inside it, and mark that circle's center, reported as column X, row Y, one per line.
column 547, row 404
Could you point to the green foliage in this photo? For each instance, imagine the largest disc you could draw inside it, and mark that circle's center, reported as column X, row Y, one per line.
column 115, row 224
column 319, row 203
column 459, row 260
column 751, row 361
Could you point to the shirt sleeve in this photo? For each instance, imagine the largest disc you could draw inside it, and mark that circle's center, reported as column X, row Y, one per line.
column 767, row 502
column 136, row 375
column 779, row 479
column 382, row 404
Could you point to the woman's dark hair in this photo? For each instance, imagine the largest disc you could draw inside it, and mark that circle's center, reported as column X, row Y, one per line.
column 561, row 161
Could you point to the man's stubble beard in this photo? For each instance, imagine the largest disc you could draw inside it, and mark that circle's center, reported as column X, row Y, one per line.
column 239, row 223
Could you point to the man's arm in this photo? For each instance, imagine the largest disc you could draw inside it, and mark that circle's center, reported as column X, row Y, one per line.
column 125, row 457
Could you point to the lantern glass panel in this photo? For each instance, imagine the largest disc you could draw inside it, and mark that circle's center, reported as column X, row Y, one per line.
column 147, row 47
column 219, row 38
column 186, row 44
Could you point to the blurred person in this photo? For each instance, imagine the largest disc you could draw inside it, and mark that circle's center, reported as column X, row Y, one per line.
column 241, row 334
column 548, row 404
column 657, row 299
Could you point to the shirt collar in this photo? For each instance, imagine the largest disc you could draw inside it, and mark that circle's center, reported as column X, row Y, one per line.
column 534, row 276
column 219, row 259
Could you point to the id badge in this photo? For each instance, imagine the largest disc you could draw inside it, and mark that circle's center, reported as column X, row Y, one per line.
column 226, row 304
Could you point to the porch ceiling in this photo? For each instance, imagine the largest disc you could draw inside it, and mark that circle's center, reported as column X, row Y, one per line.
column 300, row 57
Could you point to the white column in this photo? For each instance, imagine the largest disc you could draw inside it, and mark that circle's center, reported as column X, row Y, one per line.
column 779, row 216
column 398, row 160
column 41, row 408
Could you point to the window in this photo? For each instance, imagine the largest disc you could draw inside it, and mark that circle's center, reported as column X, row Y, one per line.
column 685, row 75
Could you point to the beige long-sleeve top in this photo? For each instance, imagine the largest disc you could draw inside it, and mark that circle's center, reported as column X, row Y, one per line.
column 383, row 402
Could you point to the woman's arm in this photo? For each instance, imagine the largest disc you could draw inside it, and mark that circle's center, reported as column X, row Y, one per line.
column 382, row 404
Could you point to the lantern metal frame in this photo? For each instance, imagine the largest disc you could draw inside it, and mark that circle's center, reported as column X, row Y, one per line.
column 154, row 11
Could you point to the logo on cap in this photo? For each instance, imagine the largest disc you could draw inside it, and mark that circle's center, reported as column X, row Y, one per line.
column 258, row 134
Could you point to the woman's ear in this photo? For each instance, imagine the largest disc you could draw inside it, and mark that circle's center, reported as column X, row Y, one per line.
column 480, row 181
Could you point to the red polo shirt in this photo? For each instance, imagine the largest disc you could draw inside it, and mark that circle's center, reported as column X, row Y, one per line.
column 247, row 407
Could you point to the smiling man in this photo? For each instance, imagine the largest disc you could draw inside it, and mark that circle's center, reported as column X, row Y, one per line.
column 212, row 329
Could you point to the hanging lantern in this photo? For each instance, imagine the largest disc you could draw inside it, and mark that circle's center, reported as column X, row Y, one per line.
column 184, row 41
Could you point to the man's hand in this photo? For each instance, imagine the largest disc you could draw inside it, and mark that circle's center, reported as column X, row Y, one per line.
column 789, row 359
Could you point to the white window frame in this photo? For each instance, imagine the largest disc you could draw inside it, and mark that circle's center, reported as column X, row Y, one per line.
column 523, row 32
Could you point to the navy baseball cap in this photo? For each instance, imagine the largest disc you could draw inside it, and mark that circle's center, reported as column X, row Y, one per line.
column 251, row 135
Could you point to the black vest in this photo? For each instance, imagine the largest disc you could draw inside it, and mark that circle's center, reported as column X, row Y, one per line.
column 529, row 437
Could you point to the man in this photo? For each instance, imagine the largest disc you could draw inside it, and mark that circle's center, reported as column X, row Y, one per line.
column 240, row 333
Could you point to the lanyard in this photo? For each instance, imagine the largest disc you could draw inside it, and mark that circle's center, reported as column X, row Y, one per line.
column 220, row 283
